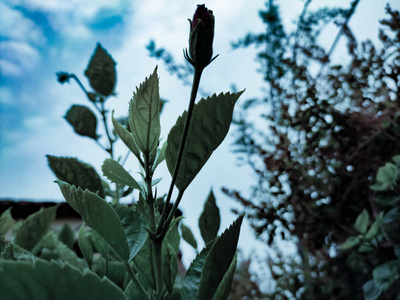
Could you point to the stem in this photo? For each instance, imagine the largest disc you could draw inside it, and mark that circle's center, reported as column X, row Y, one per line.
column 136, row 281
column 171, row 215
column 195, row 87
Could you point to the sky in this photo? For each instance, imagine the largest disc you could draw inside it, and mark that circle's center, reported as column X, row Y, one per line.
column 39, row 38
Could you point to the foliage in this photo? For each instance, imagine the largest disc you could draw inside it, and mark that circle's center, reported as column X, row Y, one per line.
column 128, row 252
column 327, row 131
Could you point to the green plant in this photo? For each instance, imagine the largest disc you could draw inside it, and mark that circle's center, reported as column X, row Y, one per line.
column 130, row 252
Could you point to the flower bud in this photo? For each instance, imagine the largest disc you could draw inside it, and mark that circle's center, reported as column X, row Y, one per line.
column 201, row 37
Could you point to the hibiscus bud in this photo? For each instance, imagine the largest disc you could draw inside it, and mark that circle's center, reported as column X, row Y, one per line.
column 201, row 37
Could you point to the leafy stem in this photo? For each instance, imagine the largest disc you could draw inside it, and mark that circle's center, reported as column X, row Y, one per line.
column 195, row 86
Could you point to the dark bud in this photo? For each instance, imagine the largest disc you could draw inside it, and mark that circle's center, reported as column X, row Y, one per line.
column 63, row 77
column 201, row 37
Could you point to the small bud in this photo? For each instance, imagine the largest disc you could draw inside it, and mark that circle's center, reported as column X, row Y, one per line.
column 201, row 37
column 63, row 77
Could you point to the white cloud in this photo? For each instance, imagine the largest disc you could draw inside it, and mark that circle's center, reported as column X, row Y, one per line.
column 15, row 26
column 18, row 56
column 8, row 68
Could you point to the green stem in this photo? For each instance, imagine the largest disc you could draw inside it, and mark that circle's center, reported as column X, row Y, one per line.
column 195, row 87
column 171, row 215
column 136, row 281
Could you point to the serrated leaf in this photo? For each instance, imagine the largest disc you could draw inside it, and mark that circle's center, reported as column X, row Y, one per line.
column 6, row 221
column 14, row 252
column 219, row 260
column 133, row 225
column 77, row 173
column 99, row 215
column 49, row 280
column 62, row 251
column 188, row 236
column 191, row 281
column 35, row 227
column 85, row 244
column 224, row 287
column 116, row 173
column 350, row 243
column 385, row 274
column 101, row 71
column 100, row 244
column 126, row 137
column 373, row 231
column 83, row 120
column 210, row 219
column 67, row 235
column 144, row 116
column 209, row 126
column 361, row 223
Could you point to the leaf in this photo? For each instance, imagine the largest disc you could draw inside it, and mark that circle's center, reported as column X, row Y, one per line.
column 370, row 291
column 49, row 280
column 392, row 215
column 144, row 117
column 6, row 221
column 396, row 159
column 85, row 244
column 385, row 274
column 219, row 260
column 224, row 287
column 116, row 173
column 35, row 227
column 126, row 137
column 143, row 262
column 350, row 243
column 14, row 252
column 133, row 225
column 373, row 231
column 160, row 155
column 62, row 251
column 99, row 215
column 77, row 173
column 386, row 177
column 209, row 126
column 101, row 71
column 361, row 223
column 83, row 120
column 210, row 219
column 170, row 261
column 188, row 236
column 67, row 235
column 191, row 281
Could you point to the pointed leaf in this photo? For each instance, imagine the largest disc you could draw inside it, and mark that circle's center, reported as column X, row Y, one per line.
column 14, row 252
column 361, row 223
column 210, row 219
column 373, row 231
column 116, row 173
column 49, row 280
column 101, row 71
column 209, row 126
column 370, row 291
column 224, row 287
column 188, row 236
column 160, row 155
column 35, row 227
column 143, row 260
column 350, row 243
column 77, row 173
column 85, row 244
column 218, row 260
column 100, row 244
column 191, row 281
column 6, row 221
column 67, row 235
column 133, row 225
column 385, row 274
column 83, row 120
column 170, row 269
column 126, row 137
column 99, row 215
column 144, row 116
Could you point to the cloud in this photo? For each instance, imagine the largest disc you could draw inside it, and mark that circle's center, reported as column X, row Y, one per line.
column 18, row 56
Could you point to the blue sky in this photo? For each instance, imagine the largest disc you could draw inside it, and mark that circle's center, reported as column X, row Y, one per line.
column 39, row 38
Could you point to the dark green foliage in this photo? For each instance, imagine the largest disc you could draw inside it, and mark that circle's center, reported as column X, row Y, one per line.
column 101, row 71
column 83, row 120
column 210, row 219
column 67, row 235
column 77, row 173
column 6, row 222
